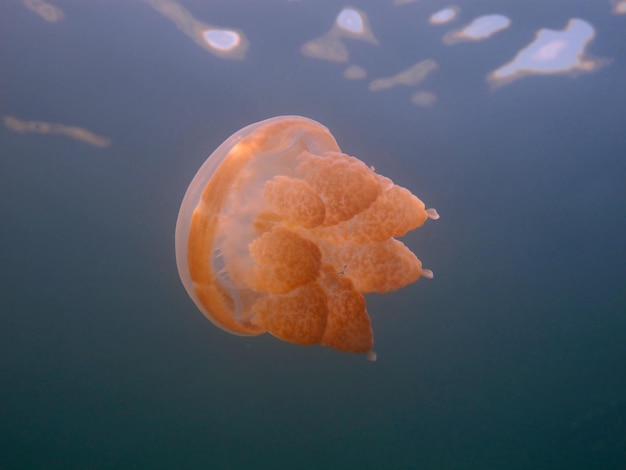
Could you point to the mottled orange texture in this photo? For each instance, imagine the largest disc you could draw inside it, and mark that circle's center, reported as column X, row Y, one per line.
column 281, row 232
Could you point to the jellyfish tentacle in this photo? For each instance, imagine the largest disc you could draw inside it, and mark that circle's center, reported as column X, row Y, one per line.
column 432, row 213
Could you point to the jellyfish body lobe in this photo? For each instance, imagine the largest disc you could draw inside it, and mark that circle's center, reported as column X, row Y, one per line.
column 281, row 232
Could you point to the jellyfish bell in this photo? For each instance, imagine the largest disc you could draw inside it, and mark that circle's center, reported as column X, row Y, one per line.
column 281, row 232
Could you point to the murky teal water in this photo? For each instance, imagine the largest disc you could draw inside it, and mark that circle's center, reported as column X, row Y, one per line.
column 511, row 357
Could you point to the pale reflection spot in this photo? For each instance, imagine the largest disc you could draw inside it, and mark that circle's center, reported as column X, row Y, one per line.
column 39, row 127
column 552, row 52
column 350, row 20
column 46, row 10
column 355, row 72
column 411, row 76
column 423, row 99
column 227, row 43
column 351, row 23
column 619, row 8
column 479, row 29
column 403, row 2
column 444, row 16
column 549, row 51
column 327, row 48
column 222, row 39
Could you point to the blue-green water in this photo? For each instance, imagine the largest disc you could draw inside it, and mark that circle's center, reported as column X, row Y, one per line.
column 511, row 357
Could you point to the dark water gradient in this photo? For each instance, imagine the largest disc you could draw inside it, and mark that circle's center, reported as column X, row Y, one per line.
column 511, row 357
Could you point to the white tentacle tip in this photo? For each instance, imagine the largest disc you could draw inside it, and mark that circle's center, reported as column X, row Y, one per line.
column 432, row 214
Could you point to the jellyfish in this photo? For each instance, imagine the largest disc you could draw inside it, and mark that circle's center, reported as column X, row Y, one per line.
column 280, row 232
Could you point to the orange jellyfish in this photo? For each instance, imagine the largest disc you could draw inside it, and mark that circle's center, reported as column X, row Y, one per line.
column 281, row 232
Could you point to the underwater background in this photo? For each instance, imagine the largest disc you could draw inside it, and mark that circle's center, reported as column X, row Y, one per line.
column 511, row 357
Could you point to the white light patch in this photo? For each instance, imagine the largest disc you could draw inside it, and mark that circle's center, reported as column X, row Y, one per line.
column 552, row 52
column 222, row 39
column 350, row 20
column 444, row 16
